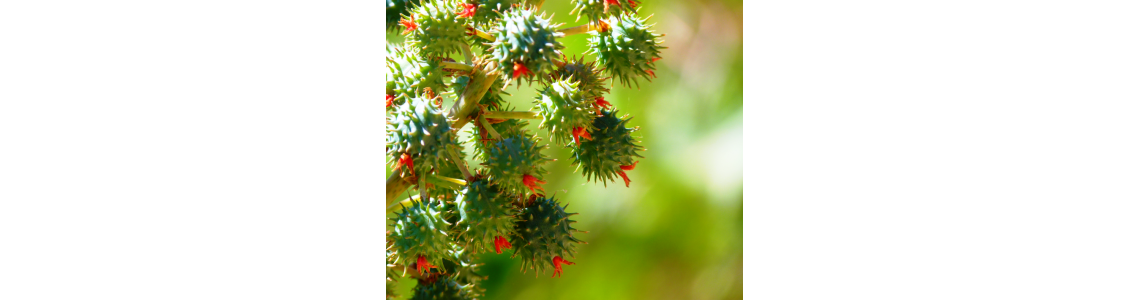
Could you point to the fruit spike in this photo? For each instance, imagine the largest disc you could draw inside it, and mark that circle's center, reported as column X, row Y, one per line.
column 557, row 261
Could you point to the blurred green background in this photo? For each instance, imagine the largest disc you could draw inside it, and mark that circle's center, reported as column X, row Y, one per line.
column 676, row 233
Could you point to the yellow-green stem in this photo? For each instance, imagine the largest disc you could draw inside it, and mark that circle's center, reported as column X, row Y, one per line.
column 511, row 115
column 576, row 29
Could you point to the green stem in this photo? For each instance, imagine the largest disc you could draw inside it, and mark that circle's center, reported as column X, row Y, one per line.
column 455, row 65
column 511, row 115
column 484, row 35
column 454, row 155
column 447, row 182
column 576, row 29
column 468, row 56
column 490, row 129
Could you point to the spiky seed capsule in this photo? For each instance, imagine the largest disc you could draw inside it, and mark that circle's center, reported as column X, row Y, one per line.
column 487, row 11
column 525, row 44
column 611, row 147
column 514, row 158
column 602, row 9
column 420, row 231
column 564, row 108
column 628, row 50
column 485, row 213
column 543, row 230
column 418, row 129
column 409, row 74
column 440, row 31
column 441, row 287
column 588, row 77
column 395, row 10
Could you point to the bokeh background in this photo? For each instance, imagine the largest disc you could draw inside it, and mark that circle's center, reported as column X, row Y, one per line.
column 676, row 233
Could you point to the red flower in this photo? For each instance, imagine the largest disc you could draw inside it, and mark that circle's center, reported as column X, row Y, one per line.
column 627, row 181
column 632, row 3
column 600, row 102
column 409, row 25
column 501, row 243
column 578, row 133
column 468, row 10
column 388, row 100
column 422, row 265
column 532, row 183
column 612, row 2
column 557, row 260
column 406, row 160
column 652, row 73
column 520, row 69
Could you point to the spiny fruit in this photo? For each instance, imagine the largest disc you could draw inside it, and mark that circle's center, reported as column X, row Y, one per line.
column 486, row 11
column 565, row 111
column 410, row 75
column 544, row 235
column 628, row 50
column 486, row 215
column 419, row 138
column 419, row 236
column 516, row 163
column 597, row 10
column 525, row 44
column 611, row 151
column 587, row 76
column 436, row 28
column 440, row 287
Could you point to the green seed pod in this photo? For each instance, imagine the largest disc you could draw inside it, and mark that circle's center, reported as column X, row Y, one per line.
column 441, row 288
column 439, row 30
column 611, row 147
column 420, row 231
column 564, row 108
column 586, row 74
column 525, row 44
column 487, row 11
column 419, row 138
column 628, row 50
column 516, row 164
column 597, row 10
column 465, row 272
column 485, row 213
column 391, row 276
column 543, row 231
column 409, row 74
column 395, row 10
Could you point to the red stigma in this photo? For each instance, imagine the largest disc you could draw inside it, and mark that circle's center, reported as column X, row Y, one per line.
column 652, row 73
column 501, row 243
column 613, row 2
column 468, row 10
column 578, row 133
column 557, row 261
column 532, row 183
column 632, row 3
column 409, row 25
column 627, row 182
column 388, row 100
column 422, row 265
column 600, row 102
column 406, row 160
column 655, row 59
column 520, row 69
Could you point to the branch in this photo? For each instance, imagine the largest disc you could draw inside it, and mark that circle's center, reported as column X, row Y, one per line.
column 511, row 115
column 576, row 29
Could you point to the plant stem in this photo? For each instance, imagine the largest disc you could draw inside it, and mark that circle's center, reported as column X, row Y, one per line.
column 482, row 34
column 575, row 30
column 455, row 65
column 468, row 56
column 454, row 155
column 448, row 182
column 511, row 115
column 490, row 129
